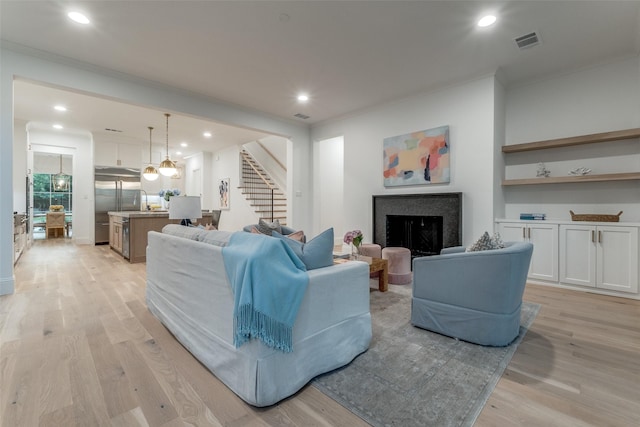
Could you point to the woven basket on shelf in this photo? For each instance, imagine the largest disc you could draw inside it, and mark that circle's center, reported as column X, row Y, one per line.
column 595, row 217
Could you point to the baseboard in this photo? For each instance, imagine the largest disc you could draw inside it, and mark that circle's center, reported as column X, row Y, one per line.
column 589, row 290
column 7, row 285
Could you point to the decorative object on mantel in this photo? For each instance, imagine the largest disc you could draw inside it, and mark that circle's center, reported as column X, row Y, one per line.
column 354, row 238
column 580, row 171
column 595, row 217
column 542, row 170
column 417, row 158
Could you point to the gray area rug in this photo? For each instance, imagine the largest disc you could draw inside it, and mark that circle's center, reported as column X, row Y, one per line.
column 413, row 377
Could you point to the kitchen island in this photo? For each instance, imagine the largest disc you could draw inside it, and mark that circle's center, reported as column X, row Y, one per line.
column 128, row 231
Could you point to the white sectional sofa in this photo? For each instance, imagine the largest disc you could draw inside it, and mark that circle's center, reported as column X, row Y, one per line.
column 188, row 290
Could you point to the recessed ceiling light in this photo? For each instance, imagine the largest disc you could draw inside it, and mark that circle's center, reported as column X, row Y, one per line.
column 57, row 126
column 485, row 21
column 60, row 108
column 178, row 153
column 207, row 134
column 183, row 144
column 303, row 97
column 78, row 17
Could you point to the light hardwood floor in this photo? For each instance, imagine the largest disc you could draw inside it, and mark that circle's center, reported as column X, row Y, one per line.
column 79, row 348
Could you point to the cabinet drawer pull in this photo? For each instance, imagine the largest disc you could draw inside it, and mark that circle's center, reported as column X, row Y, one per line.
column 529, row 233
column 593, row 236
column 599, row 236
column 524, row 236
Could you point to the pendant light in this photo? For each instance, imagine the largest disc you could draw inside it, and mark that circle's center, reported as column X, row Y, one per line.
column 150, row 172
column 167, row 167
column 60, row 180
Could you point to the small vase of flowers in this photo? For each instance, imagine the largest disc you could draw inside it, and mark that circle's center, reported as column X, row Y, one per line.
column 167, row 194
column 354, row 238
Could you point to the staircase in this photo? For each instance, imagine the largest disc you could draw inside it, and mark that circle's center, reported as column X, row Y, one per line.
column 266, row 199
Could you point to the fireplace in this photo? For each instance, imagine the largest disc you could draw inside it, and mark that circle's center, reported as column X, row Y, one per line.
column 424, row 223
column 421, row 234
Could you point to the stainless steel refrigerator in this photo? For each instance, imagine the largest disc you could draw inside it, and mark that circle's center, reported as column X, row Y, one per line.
column 116, row 189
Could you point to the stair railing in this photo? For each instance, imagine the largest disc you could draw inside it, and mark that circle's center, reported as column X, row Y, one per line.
column 252, row 186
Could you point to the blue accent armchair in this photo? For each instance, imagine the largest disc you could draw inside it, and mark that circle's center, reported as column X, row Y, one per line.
column 473, row 296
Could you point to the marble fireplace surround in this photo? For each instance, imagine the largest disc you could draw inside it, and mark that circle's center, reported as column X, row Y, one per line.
column 447, row 205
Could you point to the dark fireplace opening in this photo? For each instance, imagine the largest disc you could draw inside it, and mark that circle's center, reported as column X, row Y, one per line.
column 421, row 234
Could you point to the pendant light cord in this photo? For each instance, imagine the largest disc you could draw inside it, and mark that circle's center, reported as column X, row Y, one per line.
column 167, row 115
column 150, row 129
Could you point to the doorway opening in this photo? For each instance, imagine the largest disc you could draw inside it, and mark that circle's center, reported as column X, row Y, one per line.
column 51, row 190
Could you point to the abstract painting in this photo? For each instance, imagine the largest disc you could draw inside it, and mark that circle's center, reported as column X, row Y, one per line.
column 224, row 193
column 417, row 158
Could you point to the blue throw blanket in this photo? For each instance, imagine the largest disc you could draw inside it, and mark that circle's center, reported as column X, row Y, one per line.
column 268, row 281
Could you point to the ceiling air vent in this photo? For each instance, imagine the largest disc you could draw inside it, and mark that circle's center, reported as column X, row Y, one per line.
column 528, row 40
column 112, row 130
column 301, row 116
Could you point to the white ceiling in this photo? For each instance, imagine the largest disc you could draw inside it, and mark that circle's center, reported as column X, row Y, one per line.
column 348, row 55
column 129, row 123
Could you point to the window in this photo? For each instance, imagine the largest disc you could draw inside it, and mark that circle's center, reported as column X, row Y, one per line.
column 44, row 195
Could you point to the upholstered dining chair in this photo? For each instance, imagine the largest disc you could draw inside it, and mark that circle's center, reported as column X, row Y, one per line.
column 473, row 296
column 55, row 223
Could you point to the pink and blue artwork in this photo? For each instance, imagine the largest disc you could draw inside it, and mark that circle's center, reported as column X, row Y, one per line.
column 417, row 158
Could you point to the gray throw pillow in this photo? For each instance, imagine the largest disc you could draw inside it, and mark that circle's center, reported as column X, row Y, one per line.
column 486, row 242
column 269, row 227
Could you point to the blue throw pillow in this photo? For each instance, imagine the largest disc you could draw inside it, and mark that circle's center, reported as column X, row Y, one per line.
column 316, row 253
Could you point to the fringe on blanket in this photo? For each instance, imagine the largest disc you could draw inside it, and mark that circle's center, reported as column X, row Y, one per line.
column 249, row 323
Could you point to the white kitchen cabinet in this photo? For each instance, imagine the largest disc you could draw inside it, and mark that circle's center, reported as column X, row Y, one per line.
column 544, row 260
column 599, row 256
column 108, row 153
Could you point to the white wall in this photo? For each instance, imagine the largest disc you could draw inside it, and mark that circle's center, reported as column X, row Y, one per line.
column 499, row 140
column 226, row 164
column 90, row 79
column 592, row 100
column 329, row 186
column 50, row 164
column 467, row 108
column 276, row 146
column 80, row 146
column 19, row 167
